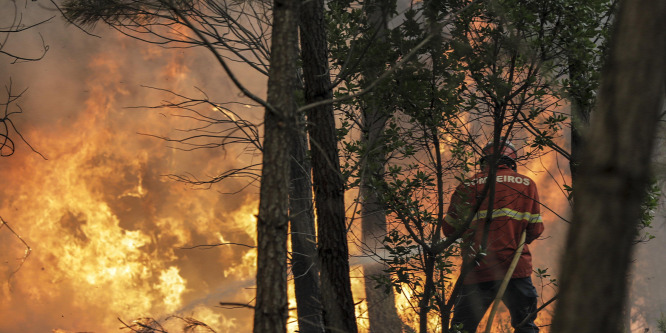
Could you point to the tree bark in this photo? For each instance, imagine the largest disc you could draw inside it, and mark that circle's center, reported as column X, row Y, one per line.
column 382, row 314
column 614, row 173
column 580, row 120
column 339, row 315
column 270, row 313
column 304, row 262
column 381, row 306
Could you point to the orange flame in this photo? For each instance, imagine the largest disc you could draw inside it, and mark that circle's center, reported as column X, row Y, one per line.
column 107, row 231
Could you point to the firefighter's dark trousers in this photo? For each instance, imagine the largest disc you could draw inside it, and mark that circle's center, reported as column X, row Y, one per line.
column 474, row 299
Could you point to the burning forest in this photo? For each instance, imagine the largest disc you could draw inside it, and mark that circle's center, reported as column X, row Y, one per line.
column 178, row 167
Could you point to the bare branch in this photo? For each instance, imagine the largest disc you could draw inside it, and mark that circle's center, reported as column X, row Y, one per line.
column 209, row 246
column 27, row 252
column 233, row 305
column 17, row 26
column 7, row 126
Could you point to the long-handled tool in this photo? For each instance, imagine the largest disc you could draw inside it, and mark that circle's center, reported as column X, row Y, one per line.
column 505, row 282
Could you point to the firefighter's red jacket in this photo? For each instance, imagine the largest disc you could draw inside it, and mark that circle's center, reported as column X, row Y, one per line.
column 516, row 208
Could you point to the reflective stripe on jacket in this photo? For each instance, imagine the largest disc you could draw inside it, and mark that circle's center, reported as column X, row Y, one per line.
column 516, row 208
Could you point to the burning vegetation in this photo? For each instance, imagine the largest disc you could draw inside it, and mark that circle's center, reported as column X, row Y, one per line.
column 155, row 183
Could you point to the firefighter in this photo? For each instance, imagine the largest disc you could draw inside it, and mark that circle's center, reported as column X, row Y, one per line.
column 488, row 248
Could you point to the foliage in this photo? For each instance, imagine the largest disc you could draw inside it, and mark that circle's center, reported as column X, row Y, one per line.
column 496, row 68
column 490, row 69
column 583, row 45
column 648, row 208
column 661, row 323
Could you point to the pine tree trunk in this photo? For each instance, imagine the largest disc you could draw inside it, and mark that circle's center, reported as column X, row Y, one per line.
column 338, row 303
column 614, row 173
column 305, row 266
column 270, row 313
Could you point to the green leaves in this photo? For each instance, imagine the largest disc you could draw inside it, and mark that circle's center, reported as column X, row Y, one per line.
column 648, row 209
column 545, row 278
column 488, row 66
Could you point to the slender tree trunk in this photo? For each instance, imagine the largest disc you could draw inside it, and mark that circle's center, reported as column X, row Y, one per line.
column 339, row 315
column 270, row 313
column 580, row 120
column 614, row 173
column 305, row 266
column 382, row 314
column 428, row 292
column 581, row 109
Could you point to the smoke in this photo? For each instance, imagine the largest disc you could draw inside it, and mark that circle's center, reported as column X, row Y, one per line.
column 647, row 295
column 106, row 228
